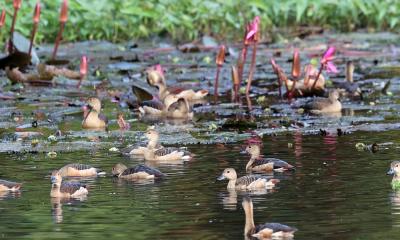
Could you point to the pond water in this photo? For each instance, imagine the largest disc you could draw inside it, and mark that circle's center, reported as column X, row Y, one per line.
column 336, row 192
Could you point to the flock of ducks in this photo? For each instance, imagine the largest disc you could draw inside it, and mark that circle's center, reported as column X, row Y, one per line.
column 177, row 104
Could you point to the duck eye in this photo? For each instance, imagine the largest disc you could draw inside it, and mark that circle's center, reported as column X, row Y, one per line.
column 227, row 171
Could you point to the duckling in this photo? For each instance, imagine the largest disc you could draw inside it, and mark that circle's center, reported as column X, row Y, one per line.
column 395, row 171
column 137, row 172
column 79, row 170
column 250, row 182
column 92, row 117
column 6, row 186
column 156, row 78
column 266, row 230
column 61, row 189
column 324, row 105
column 259, row 164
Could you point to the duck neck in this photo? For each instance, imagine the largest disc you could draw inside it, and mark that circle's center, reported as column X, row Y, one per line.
column 248, row 165
column 249, row 221
column 349, row 72
column 55, row 188
column 396, row 177
column 162, row 91
column 232, row 184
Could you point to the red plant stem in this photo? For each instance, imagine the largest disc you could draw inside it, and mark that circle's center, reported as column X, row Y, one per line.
column 319, row 73
column 249, row 104
column 10, row 43
column 35, row 26
column 216, row 84
column 59, row 37
column 241, row 62
column 290, row 94
column 252, row 68
column 280, row 86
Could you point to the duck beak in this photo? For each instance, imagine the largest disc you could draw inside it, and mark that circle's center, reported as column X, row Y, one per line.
column 222, row 177
column 53, row 179
column 390, row 172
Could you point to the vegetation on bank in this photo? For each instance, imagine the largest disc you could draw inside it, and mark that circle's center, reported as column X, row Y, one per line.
column 121, row 20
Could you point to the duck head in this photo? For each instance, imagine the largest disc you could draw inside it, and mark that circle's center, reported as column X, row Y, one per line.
column 93, row 104
column 394, row 168
column 253, row 150
column 118, row 169
column 56, row 177
column 228, row 173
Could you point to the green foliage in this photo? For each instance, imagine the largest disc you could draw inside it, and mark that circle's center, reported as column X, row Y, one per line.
column 184, row 20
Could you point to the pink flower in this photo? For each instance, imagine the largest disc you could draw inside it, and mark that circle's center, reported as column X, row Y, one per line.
column 64, row 11
column 327, row 60
column 252, row 29
column 17, row 4
column 159, row 69
column 36, row 15
column 83, row 67
column 2, row 18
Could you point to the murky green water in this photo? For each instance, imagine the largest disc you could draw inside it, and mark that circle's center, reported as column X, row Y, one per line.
column 336, row 193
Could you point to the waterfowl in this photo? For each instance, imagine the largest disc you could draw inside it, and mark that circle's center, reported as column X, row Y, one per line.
column 250, row 182
column 79, row 170
column 157, row 107
column 180, row 109
column 152, row 137
column 61, row 189
column 6, row 186
column 349, row 87
column 137, row 172
column 259, row 164
column 395, row 171
column 91, row 115
column 324, row 105
column 156, row 78
column 166, row 154
column 266, row 230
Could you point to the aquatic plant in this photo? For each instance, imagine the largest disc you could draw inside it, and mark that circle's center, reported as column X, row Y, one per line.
column 219, row 61
column 326, row 63
column 253, row 35
column 83, row 69
column 17, row 6
column 63, row 20
column 2, row 18
column 36, row 19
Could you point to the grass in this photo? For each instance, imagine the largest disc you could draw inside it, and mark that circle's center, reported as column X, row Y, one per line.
column 122, row 20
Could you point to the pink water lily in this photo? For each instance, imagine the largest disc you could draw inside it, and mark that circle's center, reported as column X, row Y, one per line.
column 36, row 15
column 327, row 59
column 17, row 4
column 159, row 69
column 252, row 29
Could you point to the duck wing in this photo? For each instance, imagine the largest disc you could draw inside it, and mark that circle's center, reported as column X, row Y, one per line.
column 141, row 93
column 317, row 104
column 143, row 168
column 9, row 184
column 247, row 180
column 277, row 163
column 275, row 227
column 77, row 166
column 71, row 187
column 156, row 104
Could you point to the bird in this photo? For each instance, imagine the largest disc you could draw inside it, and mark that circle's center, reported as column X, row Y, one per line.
column 266, row 230
column 92, row 118
column 249, row 182
column 395, row 171
column 6, row 186
column 62, row 189
column 320, row 105
column 79, row 170
column 137, row 172
column 260, row 164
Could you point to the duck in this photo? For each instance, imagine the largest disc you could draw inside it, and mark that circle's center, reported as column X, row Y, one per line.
column 166, row 154
column 249, row 182
column 180, row 109
column 265, row 230
column 8, row 186
column 349, row 87
column 155, row 78
column 305, row 85
column 153, row 138
column 157, row 107
column 137, row 172
column 395, row 171
column 259, row 164
column 92, row 118
column 62, row 189
column 80, row 170
column 320, row 105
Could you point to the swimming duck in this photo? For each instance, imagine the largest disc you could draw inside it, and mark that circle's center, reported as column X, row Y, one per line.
column 157, row 107
column 79, row 170
column 61, row 189
column 166, row 154
column 156, row 78
column 137, row 172
column 259, row 164
column 152, row 137
column 266, row 230
column 91, row 115
column 9, row 186
column 250, row 182
column 395, row 171
column 180, row 109
column 324, row 105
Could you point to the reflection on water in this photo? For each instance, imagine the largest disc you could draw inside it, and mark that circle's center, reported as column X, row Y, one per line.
column 336, row 192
